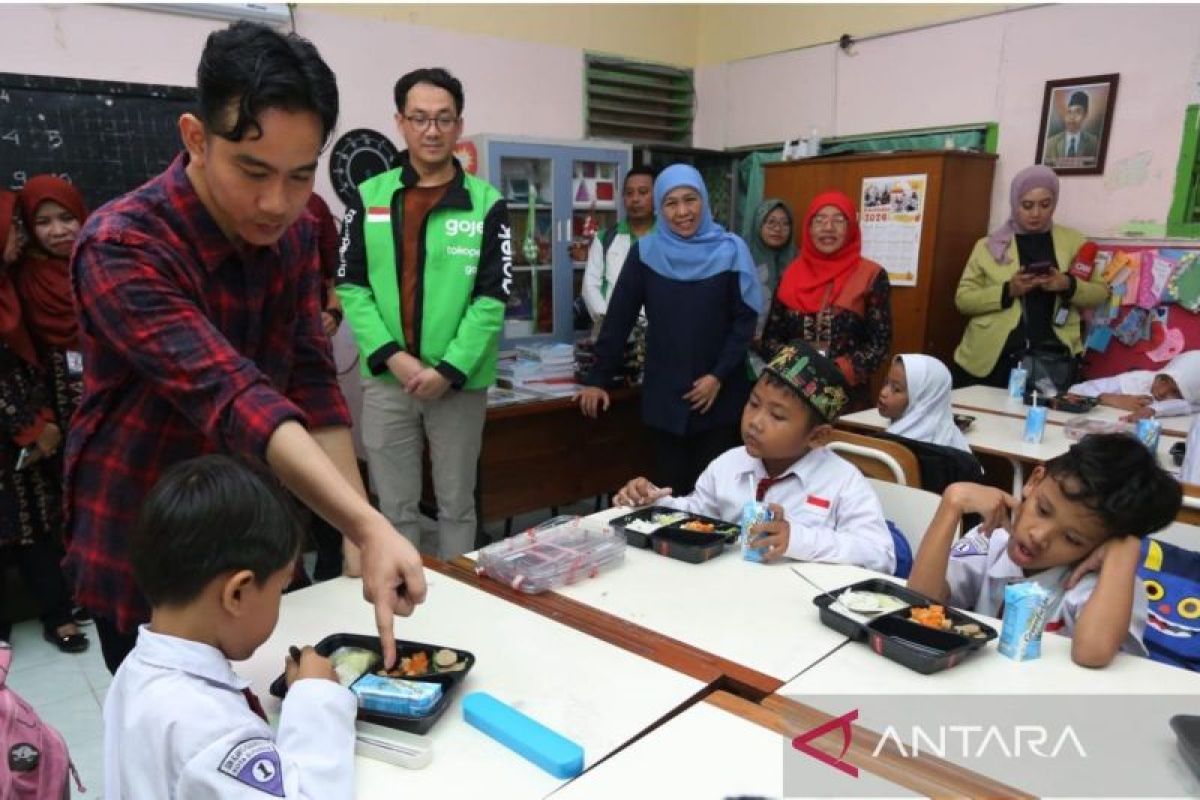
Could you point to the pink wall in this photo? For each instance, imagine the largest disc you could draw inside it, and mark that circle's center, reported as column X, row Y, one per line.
column 992, row 69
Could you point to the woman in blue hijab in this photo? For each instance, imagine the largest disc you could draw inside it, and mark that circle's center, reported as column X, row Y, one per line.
column 700, row 290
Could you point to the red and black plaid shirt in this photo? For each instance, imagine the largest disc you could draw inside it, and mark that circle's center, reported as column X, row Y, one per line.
column 190, row 346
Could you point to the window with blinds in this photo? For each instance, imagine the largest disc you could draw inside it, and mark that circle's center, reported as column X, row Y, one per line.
column 632, row 101
column 1184, row 218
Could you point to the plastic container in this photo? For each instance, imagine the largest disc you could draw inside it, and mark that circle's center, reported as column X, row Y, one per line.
column 1080, row 427
column 673, row 539
column 894, row 636
column 638, row 526
column 559, row 552
column 448, row 680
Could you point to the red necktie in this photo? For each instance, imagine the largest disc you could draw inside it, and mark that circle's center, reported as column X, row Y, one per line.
column 766, row 483
column 255, row 705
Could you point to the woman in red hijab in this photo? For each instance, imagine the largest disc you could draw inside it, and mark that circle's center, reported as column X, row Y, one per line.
column 53, row 212
column 31, row 433
column 833, row 298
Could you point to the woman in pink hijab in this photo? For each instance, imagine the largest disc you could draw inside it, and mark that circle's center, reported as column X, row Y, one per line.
column 1017, row 290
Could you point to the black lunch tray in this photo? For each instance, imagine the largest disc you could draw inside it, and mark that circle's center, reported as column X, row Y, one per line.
column 895, row 636
column 676, row 542
column 1187, row 737
column 1074, row 405
column 449, row 680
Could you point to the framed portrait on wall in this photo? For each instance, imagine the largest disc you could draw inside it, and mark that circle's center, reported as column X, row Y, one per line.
column 1076, row 117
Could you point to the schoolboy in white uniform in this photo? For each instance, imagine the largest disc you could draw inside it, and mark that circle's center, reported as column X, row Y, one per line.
column 1084, row 511
column 213, row 550
column 824, row 509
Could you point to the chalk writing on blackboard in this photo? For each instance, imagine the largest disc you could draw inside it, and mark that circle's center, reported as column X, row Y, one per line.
column 105, row 137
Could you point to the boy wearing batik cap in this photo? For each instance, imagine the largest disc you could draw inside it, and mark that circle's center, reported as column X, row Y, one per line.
column 823, row 508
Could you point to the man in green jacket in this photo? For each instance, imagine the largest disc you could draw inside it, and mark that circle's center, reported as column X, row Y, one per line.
column 424, row 274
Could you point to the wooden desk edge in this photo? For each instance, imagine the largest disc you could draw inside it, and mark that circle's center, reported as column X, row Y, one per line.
column 924, row 774
column 713, row 670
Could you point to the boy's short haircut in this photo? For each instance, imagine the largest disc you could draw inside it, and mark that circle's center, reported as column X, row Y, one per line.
column 209, row 516
column 648, row 171
column 434, row 76
column 1119, row 480
column 257, row 68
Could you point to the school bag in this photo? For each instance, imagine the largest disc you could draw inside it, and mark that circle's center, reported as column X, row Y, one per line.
column 35, row 764
column 1171, row 576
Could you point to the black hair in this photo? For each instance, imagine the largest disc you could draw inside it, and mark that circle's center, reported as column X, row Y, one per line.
column 648, row 171
column 256, row 68
column 1118, row 479
column 435, row 76
column 815, row 417
column 208, row 516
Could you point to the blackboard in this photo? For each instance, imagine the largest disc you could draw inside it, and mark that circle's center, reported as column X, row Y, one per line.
column 105, row 137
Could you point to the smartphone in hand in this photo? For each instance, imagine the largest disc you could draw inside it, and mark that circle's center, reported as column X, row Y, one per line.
column 1039, row 268
column 26, row 457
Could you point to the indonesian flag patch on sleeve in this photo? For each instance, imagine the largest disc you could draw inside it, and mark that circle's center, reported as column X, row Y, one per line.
column 379, row 214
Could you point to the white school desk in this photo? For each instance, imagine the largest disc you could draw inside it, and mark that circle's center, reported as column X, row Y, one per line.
column 712, row 751
column 993, row 400
column 596, row 694
column 1000, row 434
column 737, row 610
column 856, row 670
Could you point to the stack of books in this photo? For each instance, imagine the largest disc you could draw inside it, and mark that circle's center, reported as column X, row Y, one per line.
column 548, row 369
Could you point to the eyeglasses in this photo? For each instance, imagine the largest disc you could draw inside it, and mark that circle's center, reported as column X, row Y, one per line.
column 777, row 224
column 421, row 122
column 836, row 222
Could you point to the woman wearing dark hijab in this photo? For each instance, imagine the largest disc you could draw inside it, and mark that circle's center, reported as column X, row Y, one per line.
column 1016, row 291
column 772, row 243
column 833, row 298
column 30, row 438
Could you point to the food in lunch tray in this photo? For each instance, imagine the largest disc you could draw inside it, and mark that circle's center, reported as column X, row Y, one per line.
column 396, row 697
column 668, row 518
column 698, row 526
column 870, row 602
column 642, row 526
column 418, row 663
column 935, row 617
column 931, row 617
column 351, row 663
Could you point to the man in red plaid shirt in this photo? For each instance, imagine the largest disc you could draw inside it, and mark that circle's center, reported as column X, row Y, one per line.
column 199, row 306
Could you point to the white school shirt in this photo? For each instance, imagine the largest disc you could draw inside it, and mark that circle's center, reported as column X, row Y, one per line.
column 176, row 725
column 602, row 266
column 834, row 514
column 1191, row 461
column 1137, row 383
column 979, row 569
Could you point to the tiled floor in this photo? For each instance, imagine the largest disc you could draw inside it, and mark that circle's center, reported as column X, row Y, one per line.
column 68, row 690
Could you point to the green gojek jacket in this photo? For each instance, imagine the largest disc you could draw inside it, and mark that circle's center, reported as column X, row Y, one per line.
column 463, row 282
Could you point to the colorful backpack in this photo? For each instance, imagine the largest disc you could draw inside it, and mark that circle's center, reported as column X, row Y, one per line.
column 34, row 763
column 1172, row 578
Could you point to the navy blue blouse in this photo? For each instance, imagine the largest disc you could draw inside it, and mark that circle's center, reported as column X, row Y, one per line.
column 694, row 328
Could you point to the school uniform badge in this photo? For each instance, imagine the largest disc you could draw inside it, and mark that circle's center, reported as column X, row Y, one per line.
column 255, row 762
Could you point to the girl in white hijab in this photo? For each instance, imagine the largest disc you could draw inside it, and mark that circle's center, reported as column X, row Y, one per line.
column 1172, row 391
column 916, row 398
